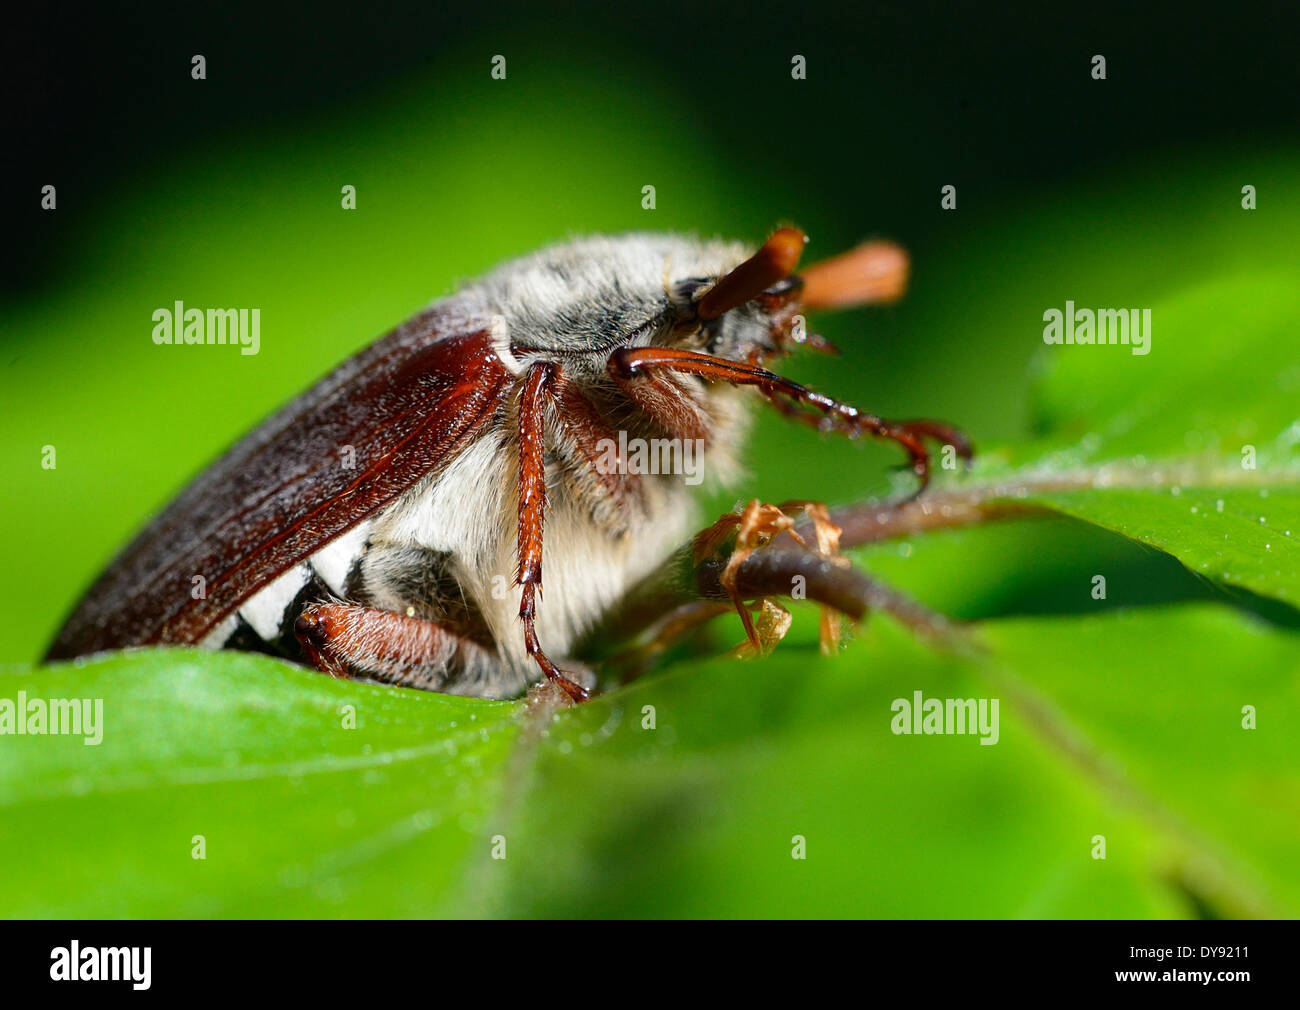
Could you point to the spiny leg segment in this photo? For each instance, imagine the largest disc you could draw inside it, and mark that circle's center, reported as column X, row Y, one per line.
column 541, row 383
column 538, row 387
column 629, row 363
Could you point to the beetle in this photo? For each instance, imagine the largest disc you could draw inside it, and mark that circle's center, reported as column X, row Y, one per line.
column 471, row 428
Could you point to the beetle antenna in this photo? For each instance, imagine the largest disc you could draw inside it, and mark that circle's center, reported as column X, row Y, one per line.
column 774, row 261
column 871, row 274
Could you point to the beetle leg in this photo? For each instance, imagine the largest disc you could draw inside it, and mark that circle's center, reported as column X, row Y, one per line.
column 945, row 434
column 539, row 385
column 665, row 632
column 344, row 640
column 757, row 526
column 754, row 528
column 667, row 404
column 618, row 488
column 828, row 545
column 628, row 363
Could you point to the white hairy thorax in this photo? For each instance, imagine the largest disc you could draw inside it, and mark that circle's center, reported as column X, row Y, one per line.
column 572, row 305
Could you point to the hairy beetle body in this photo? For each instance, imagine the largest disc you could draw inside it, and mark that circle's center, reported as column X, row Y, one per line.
column 389, row 522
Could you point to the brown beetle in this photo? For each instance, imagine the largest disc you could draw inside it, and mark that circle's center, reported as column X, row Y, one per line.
column 497, row 411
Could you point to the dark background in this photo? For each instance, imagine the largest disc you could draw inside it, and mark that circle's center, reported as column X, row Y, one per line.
column 998, row 96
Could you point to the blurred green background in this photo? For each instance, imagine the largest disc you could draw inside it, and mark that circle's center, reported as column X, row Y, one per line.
column 1123, row 192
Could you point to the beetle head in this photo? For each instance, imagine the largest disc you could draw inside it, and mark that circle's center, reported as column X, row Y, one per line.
column 754, row 311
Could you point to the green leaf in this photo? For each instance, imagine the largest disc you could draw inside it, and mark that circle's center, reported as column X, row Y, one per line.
column 1193, row 448
column 1244, row 538
column 294, row 808
column 599, row 815
column 1222, row 373
column 697, row 816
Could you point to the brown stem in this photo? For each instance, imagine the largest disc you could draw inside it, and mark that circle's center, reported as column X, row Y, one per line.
column 774, row 571
column 869, row 522
column 771, row 572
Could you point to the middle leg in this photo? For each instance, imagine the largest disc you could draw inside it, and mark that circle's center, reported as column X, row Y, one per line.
column 539, row 388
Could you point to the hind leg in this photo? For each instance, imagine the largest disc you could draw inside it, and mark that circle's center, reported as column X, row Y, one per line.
column 346, row 640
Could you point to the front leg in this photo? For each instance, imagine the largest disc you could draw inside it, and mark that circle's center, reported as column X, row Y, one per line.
column 629, row 364
column 539, row 386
